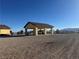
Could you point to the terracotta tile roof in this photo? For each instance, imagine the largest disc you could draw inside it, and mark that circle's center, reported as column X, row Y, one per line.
column 4, row 27
column 39, row 24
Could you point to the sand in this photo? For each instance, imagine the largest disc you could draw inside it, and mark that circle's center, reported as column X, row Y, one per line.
column 61, row 46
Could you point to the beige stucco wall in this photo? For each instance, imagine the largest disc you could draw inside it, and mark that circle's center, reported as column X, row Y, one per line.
column 5, row 31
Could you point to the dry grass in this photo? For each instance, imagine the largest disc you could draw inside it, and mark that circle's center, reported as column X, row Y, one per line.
column 65, row 46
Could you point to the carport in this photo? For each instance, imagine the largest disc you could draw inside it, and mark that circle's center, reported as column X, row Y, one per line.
column 38, row 28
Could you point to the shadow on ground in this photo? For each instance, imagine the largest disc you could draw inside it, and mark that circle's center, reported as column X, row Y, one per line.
column 6, row 36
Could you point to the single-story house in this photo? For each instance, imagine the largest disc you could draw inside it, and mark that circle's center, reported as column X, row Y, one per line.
column 38, row 28
column 5, row 30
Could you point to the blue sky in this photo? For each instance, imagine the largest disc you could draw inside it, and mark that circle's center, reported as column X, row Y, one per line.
column 60, row 13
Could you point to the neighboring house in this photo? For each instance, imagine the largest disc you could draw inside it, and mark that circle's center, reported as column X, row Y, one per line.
column 38, row 28
column 5, row 30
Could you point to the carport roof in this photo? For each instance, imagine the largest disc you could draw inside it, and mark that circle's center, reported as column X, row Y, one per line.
column 43, row 25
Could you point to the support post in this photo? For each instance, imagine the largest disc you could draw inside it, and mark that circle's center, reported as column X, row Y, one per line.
column 52, row 31
column 36, row 31
column 45, row 32
column 25, row 31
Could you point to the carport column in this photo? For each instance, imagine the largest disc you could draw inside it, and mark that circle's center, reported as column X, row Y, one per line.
column 52, row 31
column 45, row 32
column 36, row 31
column 25, row 31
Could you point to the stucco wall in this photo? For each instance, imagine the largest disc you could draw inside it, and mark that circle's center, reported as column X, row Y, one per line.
column 5, row 31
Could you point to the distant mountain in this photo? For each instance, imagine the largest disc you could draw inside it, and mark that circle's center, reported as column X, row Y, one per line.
column 70, row 30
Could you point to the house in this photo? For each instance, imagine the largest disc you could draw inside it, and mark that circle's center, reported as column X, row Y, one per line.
column 38, row 28
column 5, row 30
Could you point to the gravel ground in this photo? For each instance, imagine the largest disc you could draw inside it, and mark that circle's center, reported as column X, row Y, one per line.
column 61, row 46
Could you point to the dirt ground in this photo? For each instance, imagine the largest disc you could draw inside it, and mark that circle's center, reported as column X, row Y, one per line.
column 61, row 46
